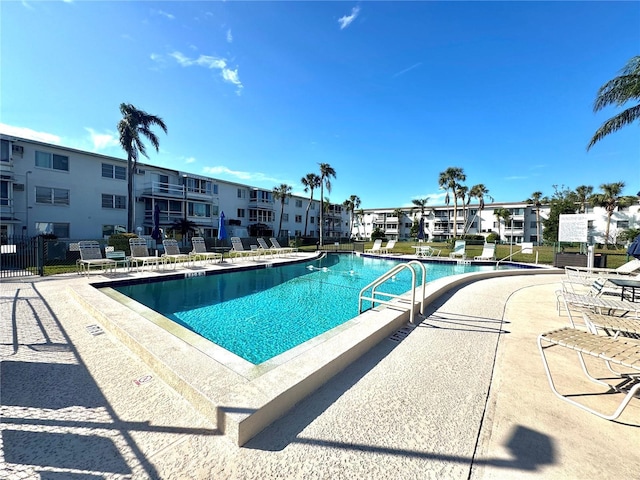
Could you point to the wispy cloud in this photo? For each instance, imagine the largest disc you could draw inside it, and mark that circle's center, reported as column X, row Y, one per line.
column 348, row 19
column 189, row 160
column 205, row 61
column 162, row 13
column 516, row 177
column 102, row 141
column 30, row 134
column 402, row 72
column 229, row 36
column 257, row 177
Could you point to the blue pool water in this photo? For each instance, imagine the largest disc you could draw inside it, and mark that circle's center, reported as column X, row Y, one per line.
column 258, row 314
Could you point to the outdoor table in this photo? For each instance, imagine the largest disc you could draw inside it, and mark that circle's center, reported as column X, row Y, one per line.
column 422, row 250
column 626, row 283
column 120, row 258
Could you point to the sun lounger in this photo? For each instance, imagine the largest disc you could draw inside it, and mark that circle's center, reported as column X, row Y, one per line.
column 605, row 304
column 140, row 254
column 388, row 247
column 611, row 325
column 276, row 244
column 238, row 250
column 377, row 244
column 488, row 252
column 172, row 253
column 199, row 251
column 91, row 257
column 265, row 249
column 459, row 250
column 620, row 351
column 586, row 274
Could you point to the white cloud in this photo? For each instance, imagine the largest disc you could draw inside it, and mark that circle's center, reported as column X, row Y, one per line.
column 207, row 61
column 102, row 141
column 164, row 14
column 190, row 160
column 246, row 176
column 348, row 19
column 229, row 36
column 402, row 72
column 30, row 134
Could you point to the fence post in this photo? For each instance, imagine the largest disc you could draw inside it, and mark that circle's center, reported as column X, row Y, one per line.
column 40, row 255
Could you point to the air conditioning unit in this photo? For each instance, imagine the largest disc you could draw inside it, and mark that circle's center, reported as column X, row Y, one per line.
column 17, row 149
column 139, row 171
column 18, row 187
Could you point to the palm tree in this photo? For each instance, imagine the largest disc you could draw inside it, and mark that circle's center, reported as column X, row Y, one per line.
column 350, row 205
column 422, row 203
column 609, row 199
column 535, row 201
column 326, row 173
column 184, row 227
column 360, row 217
column 478, row 191
column 461, row 192
column 134, row 124
column 504, row 214
column 399, row 214
column 450, row 180
column 281, row 193
column 310, row 181
column 583, row 193
column 618, row 91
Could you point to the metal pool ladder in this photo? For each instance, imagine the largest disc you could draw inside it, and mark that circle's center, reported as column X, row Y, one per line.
column 390, row 274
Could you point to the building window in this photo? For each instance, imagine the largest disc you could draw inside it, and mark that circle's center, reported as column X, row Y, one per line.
column 622, row 224
column 108, row 230
column 299, row 203
column 298, row 233
column 242, row 193
column 60, row 230
column 518, row 224
column 52, row 196
column 311, row 220
column 298, row 218
column 196, row 209
column 285, row 217
column 241, row 213
column 114, row 171
column 215, row 188
column 4, row 193
column 261, row 216
column 533, row 224
column 313, row 206
column 114, row 201
column 52, row 161
column 198, row 185
column 4, row 151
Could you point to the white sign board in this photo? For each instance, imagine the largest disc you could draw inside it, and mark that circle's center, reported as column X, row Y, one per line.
column 573, row 228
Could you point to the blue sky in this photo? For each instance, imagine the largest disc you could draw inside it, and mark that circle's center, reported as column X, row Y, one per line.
column 388, row 93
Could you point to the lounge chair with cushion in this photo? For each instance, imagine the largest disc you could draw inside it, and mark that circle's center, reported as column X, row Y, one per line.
column 140, row 256
column 377, row 244
column 199, row 251
column 488, row 252
column 91, row 257
column 459, row 250
column 620, row 351
column 172, row 253
column 276, row 244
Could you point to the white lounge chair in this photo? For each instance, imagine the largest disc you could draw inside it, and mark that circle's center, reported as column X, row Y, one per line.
column 238, row 250
column 621, row 351
column 586, row 275
column 488, row 252
column 597, row 304
column 91, row 257
column 172, row 253
column 199, row 251
column 459, row 250
column 388, row 247
column 140, row 256
column 377, row 244
column 276, row 244
column 265, row 249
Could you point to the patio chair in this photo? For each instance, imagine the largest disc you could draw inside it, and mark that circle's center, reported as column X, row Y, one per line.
column 605, row 304
column 459, row 250
column 388, row 247
column 238, row 250
column 377, row 244
column 276, row 244
column 172, row 253
column 199, row 251
column 586, row 274
column 91, row 257
column 621, row 351
column 611, row 325
column 140, row 254
column 265, row 249
column 488, row 252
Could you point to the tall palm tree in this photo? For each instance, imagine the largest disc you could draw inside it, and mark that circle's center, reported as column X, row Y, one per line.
column 450, row 180
column 360, row 217
column 327, row 172
column 310, row 181
column 281, row 193
column 583, row 193
column 399, row 214
column 535, row 200
column 478, row 191
column 609, row 199
column 502, row 214
column 134, row 125
column 461, row 192
column 618, row 91
column 350, row 205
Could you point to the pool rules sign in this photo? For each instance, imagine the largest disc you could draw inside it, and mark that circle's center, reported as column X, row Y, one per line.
column 573, row 228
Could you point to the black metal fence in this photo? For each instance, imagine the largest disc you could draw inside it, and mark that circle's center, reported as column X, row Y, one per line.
column 20, row 256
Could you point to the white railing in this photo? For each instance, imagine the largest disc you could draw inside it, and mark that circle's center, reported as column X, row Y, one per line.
column 390, row 274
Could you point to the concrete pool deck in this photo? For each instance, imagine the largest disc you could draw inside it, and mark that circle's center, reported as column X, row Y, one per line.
column 463, row 395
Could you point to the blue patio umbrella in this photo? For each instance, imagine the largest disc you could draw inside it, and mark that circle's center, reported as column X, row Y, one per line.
column 634, row 248
column 421, row 229
column 156, row 234
column 222, row 230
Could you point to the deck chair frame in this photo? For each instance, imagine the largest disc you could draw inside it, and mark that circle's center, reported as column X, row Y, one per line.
column 91, row 257
column 140, row 257
column 199, row 251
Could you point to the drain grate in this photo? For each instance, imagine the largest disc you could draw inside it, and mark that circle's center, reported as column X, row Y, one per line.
column 400, row 335
column 95, row 330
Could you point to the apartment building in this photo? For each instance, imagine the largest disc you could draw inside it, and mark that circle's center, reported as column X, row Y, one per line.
column 50, row 189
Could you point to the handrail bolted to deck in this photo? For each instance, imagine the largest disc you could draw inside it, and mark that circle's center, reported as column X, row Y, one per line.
column 383, row 278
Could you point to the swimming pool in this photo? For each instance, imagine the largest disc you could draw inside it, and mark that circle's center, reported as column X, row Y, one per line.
column 261, row 313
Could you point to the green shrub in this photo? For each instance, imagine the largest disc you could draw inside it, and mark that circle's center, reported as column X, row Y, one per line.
column 120, row 241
